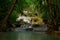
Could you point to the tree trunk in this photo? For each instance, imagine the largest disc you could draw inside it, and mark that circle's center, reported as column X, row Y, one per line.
column 53, row 22
column 3, row 25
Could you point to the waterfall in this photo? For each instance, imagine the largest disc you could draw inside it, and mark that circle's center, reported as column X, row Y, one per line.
column 24, row 26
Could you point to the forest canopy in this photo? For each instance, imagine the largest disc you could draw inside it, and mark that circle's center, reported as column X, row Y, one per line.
column 48, row 10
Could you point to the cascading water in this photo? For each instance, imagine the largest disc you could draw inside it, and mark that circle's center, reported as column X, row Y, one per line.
column 23, row 27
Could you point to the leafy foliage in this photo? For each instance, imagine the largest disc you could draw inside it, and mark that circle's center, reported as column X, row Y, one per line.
column 4, row 7
column 41, row 6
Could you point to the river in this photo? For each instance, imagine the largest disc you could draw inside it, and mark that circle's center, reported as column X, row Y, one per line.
column 27, row 36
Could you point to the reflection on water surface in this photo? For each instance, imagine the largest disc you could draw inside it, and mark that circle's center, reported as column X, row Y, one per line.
column 27, row 36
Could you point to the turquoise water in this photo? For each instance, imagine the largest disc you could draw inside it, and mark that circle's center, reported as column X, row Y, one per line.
column 27, row 36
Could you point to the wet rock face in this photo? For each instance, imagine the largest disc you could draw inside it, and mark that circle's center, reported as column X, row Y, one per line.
column 18, row 25
column 36, row 25
column 29, row 29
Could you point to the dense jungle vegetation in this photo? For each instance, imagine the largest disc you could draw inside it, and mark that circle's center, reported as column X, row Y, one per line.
column 48, row 10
